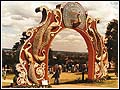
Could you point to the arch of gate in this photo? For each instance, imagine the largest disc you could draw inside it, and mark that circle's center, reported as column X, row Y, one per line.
column 33, row 66
column 91, row 51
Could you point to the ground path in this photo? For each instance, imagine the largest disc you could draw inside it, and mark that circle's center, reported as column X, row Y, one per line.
column 61, row 85
column 7, row 80
column 73, row 86
column 67, row 80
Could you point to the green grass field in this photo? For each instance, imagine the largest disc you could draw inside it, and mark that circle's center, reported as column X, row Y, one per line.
column 69, row 77
column 66, row 77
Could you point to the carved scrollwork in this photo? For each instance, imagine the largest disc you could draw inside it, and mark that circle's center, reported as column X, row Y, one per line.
column 57, row 22
column 22, row 78
column 21, row 67
column 36, row 72
column 45, row 10
column 40, row 39
column 101, row 54
column 39, row 70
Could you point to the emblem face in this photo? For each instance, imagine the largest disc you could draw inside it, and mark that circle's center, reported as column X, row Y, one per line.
column 73, row 12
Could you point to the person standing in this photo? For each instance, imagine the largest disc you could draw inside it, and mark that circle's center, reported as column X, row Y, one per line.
column 4, row 73
column 56, row 75
column 83, row 71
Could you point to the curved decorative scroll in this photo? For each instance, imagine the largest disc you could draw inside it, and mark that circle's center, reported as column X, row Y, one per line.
column 23, row 73
column 44, row 11
column 101, row 51
column 39, row 40
column 56, row 23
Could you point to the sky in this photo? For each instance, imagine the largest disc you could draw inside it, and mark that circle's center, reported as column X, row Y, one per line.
column 18, row 16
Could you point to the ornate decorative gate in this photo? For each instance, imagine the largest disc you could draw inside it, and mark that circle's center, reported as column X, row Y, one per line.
column 33, row 66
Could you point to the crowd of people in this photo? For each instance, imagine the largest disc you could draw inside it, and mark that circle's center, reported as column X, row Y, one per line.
column 57, row 69
column 69, row 68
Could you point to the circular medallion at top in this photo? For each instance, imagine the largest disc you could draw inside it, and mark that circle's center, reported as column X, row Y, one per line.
column 74, row 11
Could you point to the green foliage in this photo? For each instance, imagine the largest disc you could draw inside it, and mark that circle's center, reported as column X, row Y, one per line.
column 21, row 42
column 112, row 41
